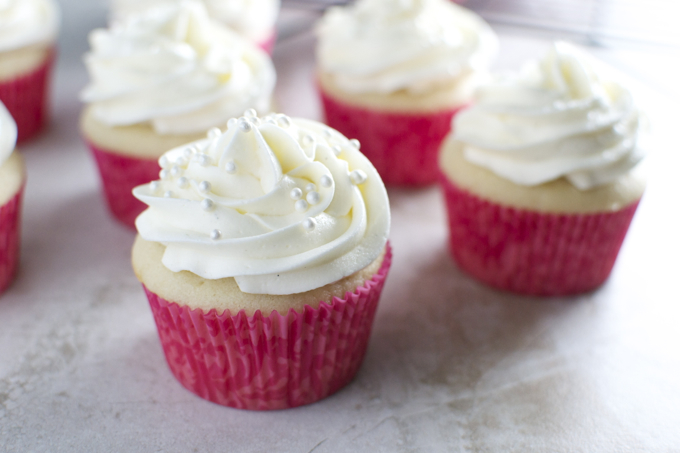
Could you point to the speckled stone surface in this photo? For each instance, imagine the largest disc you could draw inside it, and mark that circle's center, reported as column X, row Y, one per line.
column 452, row 366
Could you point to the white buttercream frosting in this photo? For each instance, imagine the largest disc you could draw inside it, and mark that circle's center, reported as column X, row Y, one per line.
column 176, row 68
column 566, row 115
column 27, row 22
column 382, row 46
column 283, row 206
column 253, row 19
column 8, row 134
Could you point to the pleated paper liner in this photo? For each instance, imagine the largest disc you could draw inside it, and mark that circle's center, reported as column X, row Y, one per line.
column 10, row 237
column 119, row 175
column 27, row 99
column 402, row 147
column 531, row 252
column 269, row 362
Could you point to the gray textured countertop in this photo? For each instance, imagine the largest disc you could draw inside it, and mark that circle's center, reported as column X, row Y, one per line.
column 451, row 366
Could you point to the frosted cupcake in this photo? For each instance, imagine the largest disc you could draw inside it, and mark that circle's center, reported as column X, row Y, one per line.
column 252, row 19
column 12, row 181
column 541, row 176
column 392, row 74
column 28, row 30
column 263, row 254
column 159, row 80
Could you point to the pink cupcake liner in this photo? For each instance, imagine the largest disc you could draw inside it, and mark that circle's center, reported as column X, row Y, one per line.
column 119, row 175
column 27, row 99
column 402, row 147
column 10, row 236
column 269, row 362
column 530, row 252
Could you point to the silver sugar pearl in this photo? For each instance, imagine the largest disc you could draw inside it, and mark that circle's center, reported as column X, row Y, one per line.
column 245, row 125
column 326, row 181
column 310, row 187
column 164, row 161
column 214, row 132
column 204, row 186
column 309, row 224
column 230, row 167
column 215, row 235
column 164, row 174
column 358, row 177
column 175, row 170
column 232, row 122
column 154, row 186
column 283, row 121
column 183, row 182
column 168, row 194
column 337, row 150
column 250, row 113
column 354, row 142
column 313, row 198
column 204, row 160
column 301, row 206
column 296, row 193
column 207, row 204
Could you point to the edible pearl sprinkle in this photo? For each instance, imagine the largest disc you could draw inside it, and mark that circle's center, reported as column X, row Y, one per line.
column 182, row 182
column 215, row 235
column 301, row 205
column 354, row 142
column 296, row 193
column 230, row 167
column 207, row 204
column 310, row 187
column 245, row 125
column 327, row 133
column 256, row 121
column 214, row 132
column 164, row 174
column 204, row 186
column 232, row 122
column 308, row 140
column 154, row 186
column 313, row 197
column 283, row 121
column 337, row 150
column 175, row 171
column 204, row 160
column 250, row 113
column 189, row 152
column 358, row 176
column 309, row 224
column 163, row 161
column 168, row 194
column 326, row 181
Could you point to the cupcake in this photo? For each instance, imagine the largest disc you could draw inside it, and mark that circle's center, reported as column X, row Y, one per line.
column 541, row 176
column 252, row 19
column 159, row 80
column 12, row 181
column 392, row 74
column 28, row 30
column 263, row 254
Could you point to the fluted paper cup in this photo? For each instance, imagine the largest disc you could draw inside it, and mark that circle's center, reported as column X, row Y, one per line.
column 269, row 362
column 531, row 252
column 402, row 147
column 119, row 175
column 10, row 237
column 27, row 99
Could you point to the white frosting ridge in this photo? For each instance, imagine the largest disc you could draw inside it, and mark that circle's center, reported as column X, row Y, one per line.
column 253, row 19
column 176, row 68
column 566, row 115
column 382, row 46
column 8, row 134
column 27, row 22
column 283, row 206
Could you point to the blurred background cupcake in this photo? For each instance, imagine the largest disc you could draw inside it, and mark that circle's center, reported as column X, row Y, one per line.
column 392, row 74
column 263, row 257
column 541, row 176
column 252, row 19
column 161, row 79
column 12, row 181
column 28, row 31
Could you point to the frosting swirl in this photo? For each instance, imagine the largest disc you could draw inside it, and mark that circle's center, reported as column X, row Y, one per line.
column 253, row 19
column 8, row 134
column 563, row 116
column 283, row 206
column 383, row 46
column 174, row 67
column 27, row 22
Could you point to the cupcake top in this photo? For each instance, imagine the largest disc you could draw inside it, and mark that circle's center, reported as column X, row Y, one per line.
column 284, row 206
column 175, row 68
column 566, row 115
column 8, row 134
column 27, row 22
column 253, row 19
column 382, row 46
